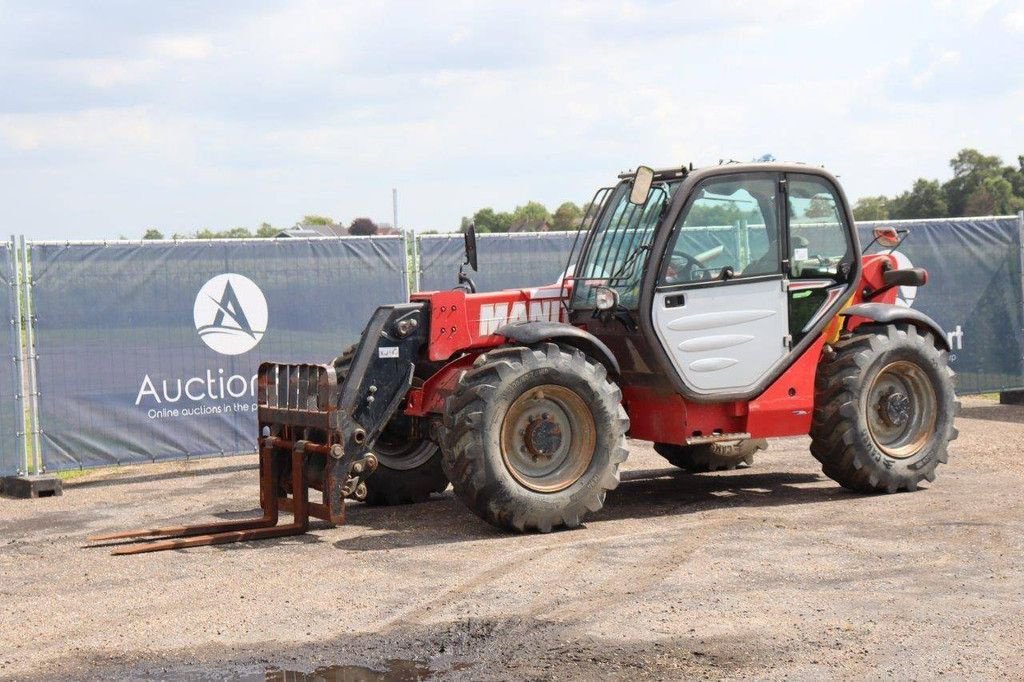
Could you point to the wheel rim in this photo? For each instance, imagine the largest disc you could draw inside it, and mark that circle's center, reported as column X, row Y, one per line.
column 548, row 438
column 901, row 409
column 398, row 448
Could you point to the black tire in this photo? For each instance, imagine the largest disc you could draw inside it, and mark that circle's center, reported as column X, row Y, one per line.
column 884, row 409
column 409, row 466
column 534, row 478
column 722, row 456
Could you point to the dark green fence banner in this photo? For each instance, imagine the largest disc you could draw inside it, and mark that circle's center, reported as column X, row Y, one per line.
column 973, row 292
column 507, row 261
column 149, row 351
column 12, row 417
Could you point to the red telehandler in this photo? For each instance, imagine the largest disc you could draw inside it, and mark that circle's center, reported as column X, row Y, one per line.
column 703, row 310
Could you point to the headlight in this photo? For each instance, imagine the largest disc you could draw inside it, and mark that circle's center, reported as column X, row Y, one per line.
column 605, row 298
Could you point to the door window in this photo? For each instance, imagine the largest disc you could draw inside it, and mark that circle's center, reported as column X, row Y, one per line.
column 728, row 231
column 819, row 239
column 820, row 249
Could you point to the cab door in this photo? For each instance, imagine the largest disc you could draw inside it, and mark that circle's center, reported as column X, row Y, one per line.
column 721, row 306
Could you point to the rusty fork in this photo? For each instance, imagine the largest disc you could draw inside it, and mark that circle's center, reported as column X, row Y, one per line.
column 260, row 528
column 295, row 402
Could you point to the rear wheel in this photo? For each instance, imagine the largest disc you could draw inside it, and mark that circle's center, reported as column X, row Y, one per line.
column 409, row 464
column 884, row 409
column 534, row 437
column 712, row 456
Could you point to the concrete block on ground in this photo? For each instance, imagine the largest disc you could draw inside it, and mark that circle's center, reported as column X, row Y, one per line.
column 1011, row 397
column 43, row 485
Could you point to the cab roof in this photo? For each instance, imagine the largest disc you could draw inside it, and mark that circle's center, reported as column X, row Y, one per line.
column 731, row 167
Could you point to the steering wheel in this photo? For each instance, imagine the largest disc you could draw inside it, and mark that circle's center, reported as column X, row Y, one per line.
column 681, row 268
column 819, row 262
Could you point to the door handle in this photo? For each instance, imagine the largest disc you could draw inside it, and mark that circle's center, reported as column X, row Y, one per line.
column 675, row 301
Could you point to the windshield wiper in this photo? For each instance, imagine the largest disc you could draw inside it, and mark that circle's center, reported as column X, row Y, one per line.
column 630, row 259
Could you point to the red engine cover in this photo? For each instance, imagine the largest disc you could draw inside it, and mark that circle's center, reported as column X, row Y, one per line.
column 461, row 321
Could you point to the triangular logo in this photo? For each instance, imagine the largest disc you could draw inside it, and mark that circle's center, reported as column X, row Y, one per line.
column 228, row 306
column 230, row 314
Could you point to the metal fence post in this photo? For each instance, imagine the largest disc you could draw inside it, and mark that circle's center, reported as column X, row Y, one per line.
column 1016, row 397
column 405, row 267
column 31, row 357
column 1020, row 233
column 415, row 261
column 21, row 432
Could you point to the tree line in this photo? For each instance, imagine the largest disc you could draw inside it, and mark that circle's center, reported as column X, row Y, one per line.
column 318, row 223
column 532, row 216
column 981, row 185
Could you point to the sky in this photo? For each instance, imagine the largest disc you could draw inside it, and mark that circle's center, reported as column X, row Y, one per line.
column 119, row 116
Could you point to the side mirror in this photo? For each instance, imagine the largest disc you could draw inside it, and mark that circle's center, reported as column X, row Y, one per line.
column 887, row 236
column 642, row 181
column 470, row 243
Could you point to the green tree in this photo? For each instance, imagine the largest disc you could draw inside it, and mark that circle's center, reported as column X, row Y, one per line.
column 363, row 227
column 821, row 207
column 266, row 230
column 706, row 214
column 566, row 217
column 153, row 233
column 994, row 197
column 233, row 233
column 970, row 170
column 533, row 213
column 487, row 220
column 925, row 200
column 317, row 220
column 871, row 208
column 1016, row 176
column 590, row 212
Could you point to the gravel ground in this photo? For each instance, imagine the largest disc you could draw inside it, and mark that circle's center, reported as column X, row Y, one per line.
column 768, row 572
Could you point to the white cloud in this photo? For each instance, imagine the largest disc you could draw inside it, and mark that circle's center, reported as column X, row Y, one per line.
column 107, row 131
column 186, row 48
column 939, row 62
column 159, row 55
column 972, row 11
column 1014, row 20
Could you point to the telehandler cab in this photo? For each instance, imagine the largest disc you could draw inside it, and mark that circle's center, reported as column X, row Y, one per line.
column 703, row 310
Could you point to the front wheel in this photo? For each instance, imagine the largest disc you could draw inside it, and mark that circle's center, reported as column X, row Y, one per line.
column 534, row 437
column 884, row 409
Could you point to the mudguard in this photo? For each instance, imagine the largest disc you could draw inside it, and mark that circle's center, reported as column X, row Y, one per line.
column 887, row 313
column 529, row 333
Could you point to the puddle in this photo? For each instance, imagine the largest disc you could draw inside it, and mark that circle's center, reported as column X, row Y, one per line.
column 397, row 670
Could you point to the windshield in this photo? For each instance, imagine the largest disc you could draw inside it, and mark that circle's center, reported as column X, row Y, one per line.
column 620, row 245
